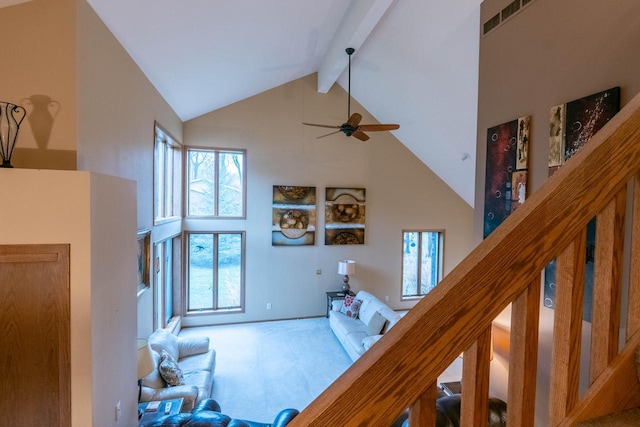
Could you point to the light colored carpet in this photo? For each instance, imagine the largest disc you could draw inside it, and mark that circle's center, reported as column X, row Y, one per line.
column 262, row 368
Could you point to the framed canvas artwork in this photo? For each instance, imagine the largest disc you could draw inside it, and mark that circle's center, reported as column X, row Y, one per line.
column 506, row 172
column 293, row 216
column 344, row 215
column 571, row 125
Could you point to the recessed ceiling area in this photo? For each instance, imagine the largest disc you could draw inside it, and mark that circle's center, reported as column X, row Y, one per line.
column 421, row 56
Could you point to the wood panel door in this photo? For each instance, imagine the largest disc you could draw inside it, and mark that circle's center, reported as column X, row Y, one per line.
column 35, row 388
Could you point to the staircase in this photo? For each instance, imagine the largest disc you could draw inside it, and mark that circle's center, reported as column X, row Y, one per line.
column 602, row 180
column 630, row 417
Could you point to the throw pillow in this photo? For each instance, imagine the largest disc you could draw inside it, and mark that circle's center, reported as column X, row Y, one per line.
column 351, row 306
column 169, row 370
column 376, row 323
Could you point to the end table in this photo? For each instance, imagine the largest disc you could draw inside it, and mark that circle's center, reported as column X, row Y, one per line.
column 149, row 416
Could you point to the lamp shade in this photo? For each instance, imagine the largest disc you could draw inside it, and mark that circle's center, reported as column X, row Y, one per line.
column 347, row 267
column 145, row 362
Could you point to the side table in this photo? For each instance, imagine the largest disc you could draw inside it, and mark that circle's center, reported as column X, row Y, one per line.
column 453, row 387
column 149, row 416
column 334, row 296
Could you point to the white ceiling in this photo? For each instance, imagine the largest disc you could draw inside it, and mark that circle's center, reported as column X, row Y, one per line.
column 421, row 56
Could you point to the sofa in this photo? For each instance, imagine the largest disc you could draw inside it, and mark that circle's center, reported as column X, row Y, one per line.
column 360, row 321
column 196, row 364
column 207, row 413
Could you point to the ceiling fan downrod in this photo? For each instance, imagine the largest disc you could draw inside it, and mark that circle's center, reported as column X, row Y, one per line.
column 349, row 51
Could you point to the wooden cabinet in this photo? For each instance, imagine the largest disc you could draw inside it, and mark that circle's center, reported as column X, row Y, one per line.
column 35, row 319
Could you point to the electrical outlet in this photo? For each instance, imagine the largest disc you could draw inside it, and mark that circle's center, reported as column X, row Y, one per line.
column 268, row 306
column 118, row 410
column 386, row 298
column 318, row 272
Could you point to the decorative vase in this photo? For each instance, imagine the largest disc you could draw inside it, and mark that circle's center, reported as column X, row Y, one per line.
column 11, row 116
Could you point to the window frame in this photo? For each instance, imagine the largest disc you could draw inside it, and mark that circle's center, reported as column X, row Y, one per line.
column 187, row 173
column 439, row 263
column 186, row 268
column 167, row 181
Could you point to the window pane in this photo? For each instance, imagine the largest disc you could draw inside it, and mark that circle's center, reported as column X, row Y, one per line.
column 168, row 185
column 429, row 264
column 200, row 271
column 202, row 182
column 229, row 270
column 410, row 264
column 231, row 184
column 159, row 177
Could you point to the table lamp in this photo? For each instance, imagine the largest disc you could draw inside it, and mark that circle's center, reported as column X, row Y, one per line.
column 146, row 364
column 346, row 267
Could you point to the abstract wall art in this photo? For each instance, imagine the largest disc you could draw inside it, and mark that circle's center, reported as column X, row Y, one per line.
column 294, row 216
column 571, row 126
column 574, row 123
column 506, row 173
column 344, row 216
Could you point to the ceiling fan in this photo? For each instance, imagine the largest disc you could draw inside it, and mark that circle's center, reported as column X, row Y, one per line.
column 352, row 127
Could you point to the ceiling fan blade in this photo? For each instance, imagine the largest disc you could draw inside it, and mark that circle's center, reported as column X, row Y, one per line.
column 354, row 119
column 322, row 126
column 332, row 133
column 360, row 135
column 378, row 127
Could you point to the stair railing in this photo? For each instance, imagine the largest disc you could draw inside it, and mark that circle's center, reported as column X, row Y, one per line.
column 400, row 371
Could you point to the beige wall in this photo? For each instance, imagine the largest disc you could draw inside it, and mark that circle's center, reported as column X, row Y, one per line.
column 550, row 53
column 401, row 194
column 117, row 108
column 38, row 51
column 94, row 214
column 104, row 108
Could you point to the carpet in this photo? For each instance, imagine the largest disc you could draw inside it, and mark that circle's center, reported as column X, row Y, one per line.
column 264, row 367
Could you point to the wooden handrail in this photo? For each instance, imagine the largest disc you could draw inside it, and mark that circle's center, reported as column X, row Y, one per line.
column 400, row 370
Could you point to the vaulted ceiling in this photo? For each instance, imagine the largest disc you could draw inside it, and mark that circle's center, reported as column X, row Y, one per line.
column 416, row 61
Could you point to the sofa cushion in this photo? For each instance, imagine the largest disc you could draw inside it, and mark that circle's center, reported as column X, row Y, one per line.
column 165, row 340
column 170, row 370
column 199, row 362
column 351, row 306
column 371, row 305
column 154, row 379
column 376, row 323
column 346, row 325
column 202, row 380
column 192, row 346
column 367, row 342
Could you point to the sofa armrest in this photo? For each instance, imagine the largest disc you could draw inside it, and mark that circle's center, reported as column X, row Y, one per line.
column 336, row 305
column 187, row 392
column 284, row 417
column 192, row 345
column 207, row 405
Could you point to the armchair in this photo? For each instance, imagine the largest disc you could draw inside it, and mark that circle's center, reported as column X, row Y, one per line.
column 207, row 414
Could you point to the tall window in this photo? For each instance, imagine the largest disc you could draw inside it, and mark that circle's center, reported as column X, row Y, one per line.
column 421, row 262
column 215, row 275
column 216, row 183
column 167, row 169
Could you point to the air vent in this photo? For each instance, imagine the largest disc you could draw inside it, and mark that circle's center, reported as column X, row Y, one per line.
column 492, row 23
column 511, row 9
column 507, row 12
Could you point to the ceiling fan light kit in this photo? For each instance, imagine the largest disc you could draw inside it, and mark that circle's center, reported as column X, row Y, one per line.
column 352, row 126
